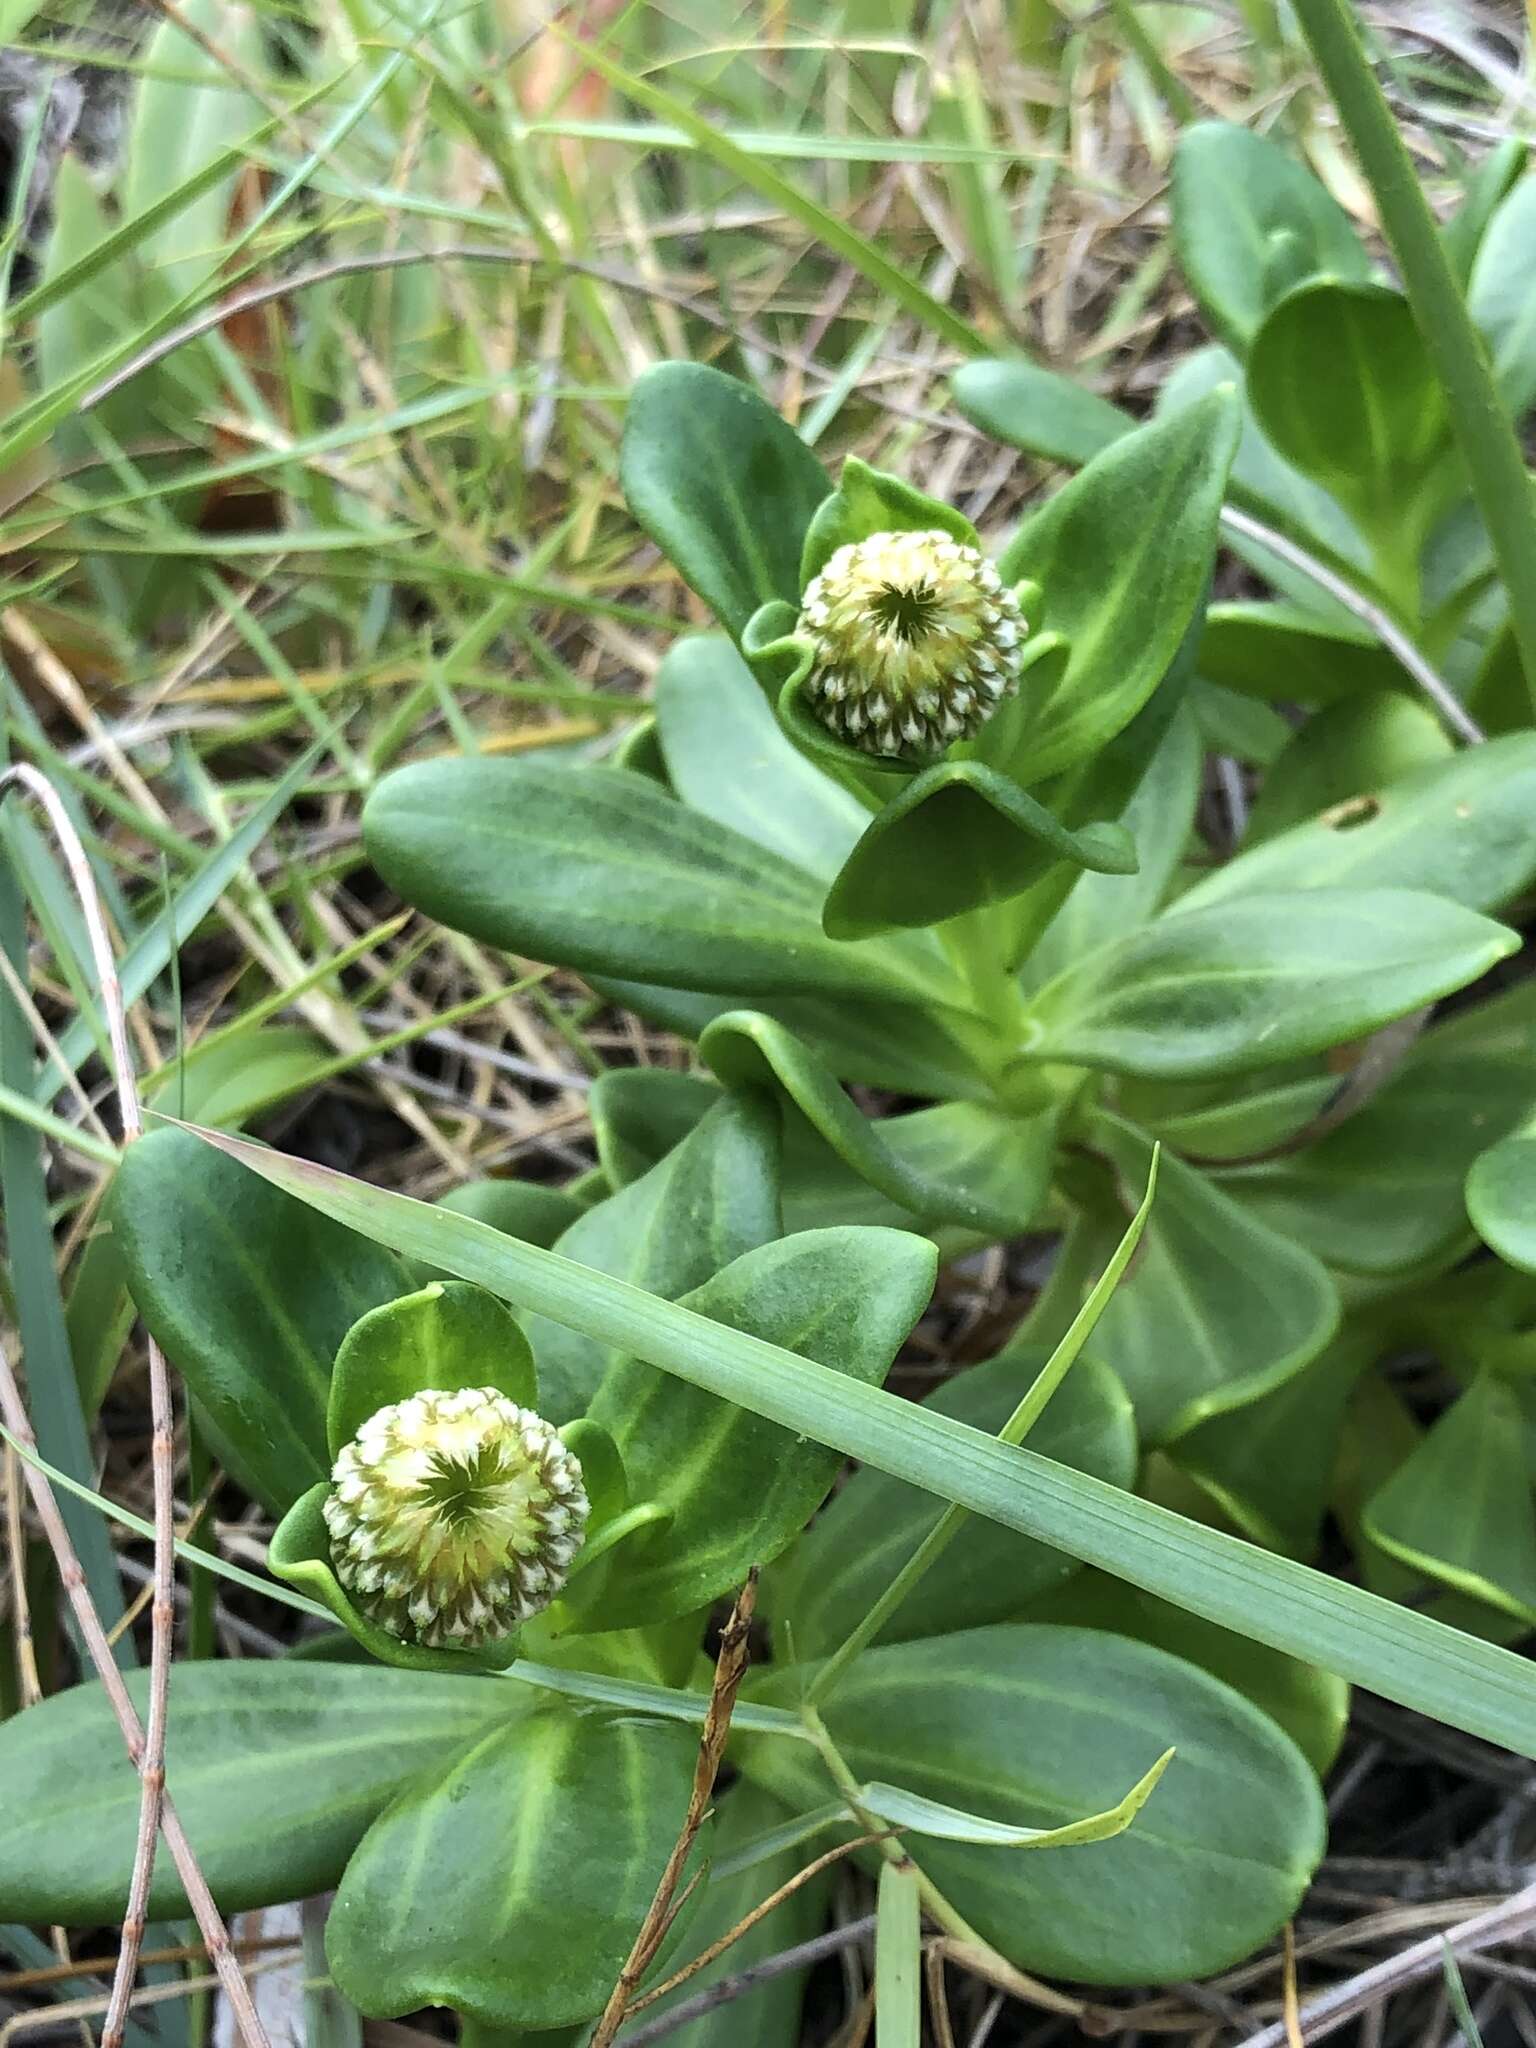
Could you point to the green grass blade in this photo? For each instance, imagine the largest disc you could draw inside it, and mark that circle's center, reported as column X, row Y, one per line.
column 833, row 233
column 150, row 954
column 1395, row 1652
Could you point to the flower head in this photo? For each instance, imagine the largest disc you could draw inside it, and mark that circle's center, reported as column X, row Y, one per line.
column 453, row 1517
column 916, row 642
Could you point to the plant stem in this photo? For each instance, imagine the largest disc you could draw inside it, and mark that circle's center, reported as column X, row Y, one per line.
column 887, row 1840
column 1481, row 422
column 1013, row 1431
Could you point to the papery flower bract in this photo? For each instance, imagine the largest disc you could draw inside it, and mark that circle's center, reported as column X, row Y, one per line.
column 454, row 1516
column 917, row 640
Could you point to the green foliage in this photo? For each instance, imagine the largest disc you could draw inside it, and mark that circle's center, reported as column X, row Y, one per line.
column 1185, row 906
column 1038, row 1715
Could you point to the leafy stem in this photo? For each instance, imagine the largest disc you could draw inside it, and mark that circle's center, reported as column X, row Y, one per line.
column 1455, row 347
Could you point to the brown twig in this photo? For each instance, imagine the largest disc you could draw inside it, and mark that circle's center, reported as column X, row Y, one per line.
column 1507, row 1921
column 72, row 1578
column 800, row 1957
column 775, row 1899
column 147, row 1748
column 730, row 1670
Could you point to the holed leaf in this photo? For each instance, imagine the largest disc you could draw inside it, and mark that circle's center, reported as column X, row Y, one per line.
column 1459, row 828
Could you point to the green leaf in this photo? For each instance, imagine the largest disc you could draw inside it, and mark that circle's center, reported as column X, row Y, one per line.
column 1486, row 187
column 1457, row 828
column 1401, row 1655
column 1459, row 1508
column 739, row 1488
column 708, row 1201
column 640, row 1113
column 1269, row 1466
column 277, row 1769
column 188, row 108
column 1121, row 554
column 522, row 1208
column 1344, row 388
column 598, row 869
column 1263, row 483
column 749, row 1050
column 250, row 1299
column 1280, row 651
column 1382, row 1194
column 728, row 759
column 1230, row 987
column 888, row 1045
column 444, row 1338
column 1500, row 298
column 1310, row 1705
column 995, row 1161
column 720, row 483
column 1249, row 222
column 868, row 501
column 1217, row 1309
column 511, row 1883
column 1349, row 750
column 1501, row 1200
column 1050, row 1721
column 1027, row 406
column 959, row 835
column 875, row 1523
column 1159, row 819
column 931, row 1817
column 770, row 2017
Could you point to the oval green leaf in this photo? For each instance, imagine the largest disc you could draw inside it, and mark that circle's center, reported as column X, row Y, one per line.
column 711, row 1199
column 864, row 1536
column 447, row 1336
column 511, row 1883
column 959, row 835
column 1122, row 554
column 1459, row 828
column 740, row 1488
column 277, row 1769
column 1054, row 1723
column 720, row 483
column 1249, row 222
column 250, row 1297
column 599, row 869
column 1233, row 987
column 1006, row 1164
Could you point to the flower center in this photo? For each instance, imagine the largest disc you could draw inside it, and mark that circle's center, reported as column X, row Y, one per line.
column 910, row 613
